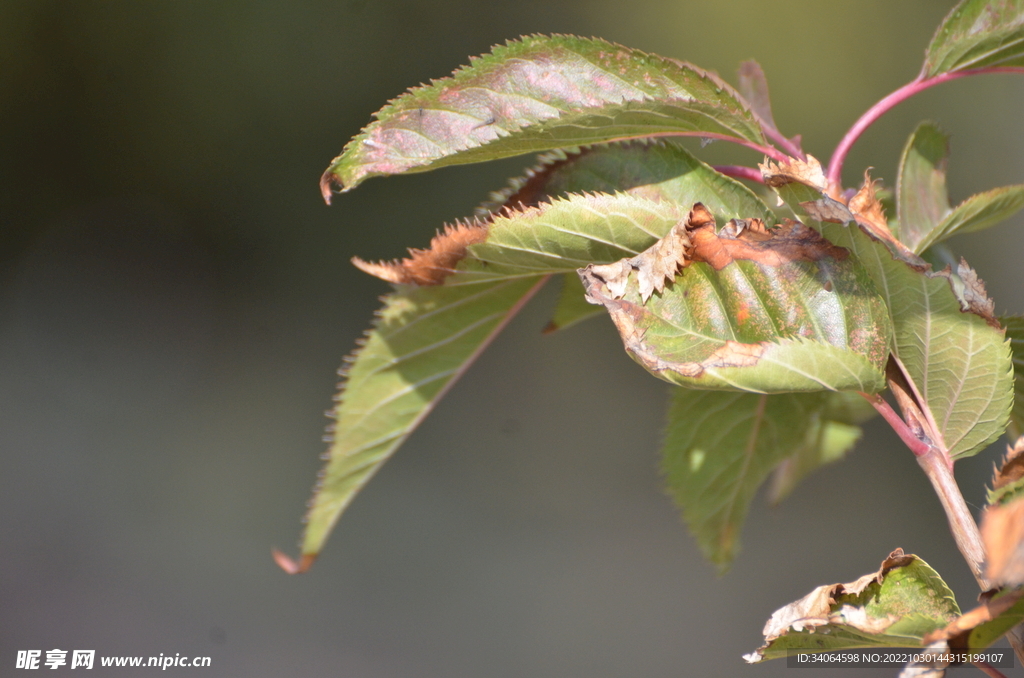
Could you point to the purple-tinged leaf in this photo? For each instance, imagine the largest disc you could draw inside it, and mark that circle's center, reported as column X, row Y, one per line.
column 541, row 93
column 977, row 34
column 923, row 202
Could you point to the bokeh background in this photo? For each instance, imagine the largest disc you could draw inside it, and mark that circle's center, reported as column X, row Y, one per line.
column 175, row 299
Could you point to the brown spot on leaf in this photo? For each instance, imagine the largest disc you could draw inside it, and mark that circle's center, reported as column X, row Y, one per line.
column 731, row 354
column 790, row 241
column 429, row 266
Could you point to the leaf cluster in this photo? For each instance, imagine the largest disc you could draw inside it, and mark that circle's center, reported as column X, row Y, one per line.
column 778, row 327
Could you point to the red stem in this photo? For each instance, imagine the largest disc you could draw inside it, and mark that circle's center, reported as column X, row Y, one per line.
column 835, row 165
column 740, row 172
column 787, row 145
column 916, row 445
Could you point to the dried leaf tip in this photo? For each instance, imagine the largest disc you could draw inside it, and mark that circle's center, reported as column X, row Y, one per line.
column 432, row 265
column 974, row 297
column 290, row 566
column 868, row 210
column 807, row 172
column 656, row 265
column 1012, row 468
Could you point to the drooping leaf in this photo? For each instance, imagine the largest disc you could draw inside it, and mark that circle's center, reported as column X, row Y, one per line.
column 422, row 340
column 719, row 447
column 976, row 34
column 898, row 606
column 536, row 94
column 453, row 298
column 945, row 337
column 923, row 201
column 752, row 311
column 830, row 435
column 1015, row 334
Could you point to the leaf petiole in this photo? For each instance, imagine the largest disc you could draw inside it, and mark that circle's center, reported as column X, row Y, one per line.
column 835, row 165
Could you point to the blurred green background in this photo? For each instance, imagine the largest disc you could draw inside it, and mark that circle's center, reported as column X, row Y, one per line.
column 175, row 299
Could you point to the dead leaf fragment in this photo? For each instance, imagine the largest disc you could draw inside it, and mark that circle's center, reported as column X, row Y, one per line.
column 1002, row 531
column 815, row 609
column 657, row 264
column 807, row 172
column 974, row 297
column 869, row 211
column 1012, row 469
column 432, row 265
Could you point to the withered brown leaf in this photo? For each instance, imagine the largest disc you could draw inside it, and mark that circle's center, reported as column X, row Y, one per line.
column 807, row 172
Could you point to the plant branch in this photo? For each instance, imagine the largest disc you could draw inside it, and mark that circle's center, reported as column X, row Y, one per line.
column 740, row 172
column 961, row 522
column 835, row 165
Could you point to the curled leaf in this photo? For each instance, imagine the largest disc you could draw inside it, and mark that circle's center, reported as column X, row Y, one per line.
column 897, row 606
column 752, row 310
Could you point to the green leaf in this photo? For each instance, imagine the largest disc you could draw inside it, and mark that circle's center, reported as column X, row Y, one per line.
column 1015, row 333
column 1005, row 611
column 751, row 312
column 957, row 359
column 977, row 34
column 652, row 170
column 572, row 307
column 923, row 202
column 981, row 211
column 568, row 233
column 825, row 442
column 898, row 606
column 719, row 447
column 421, row 342
column 946, row 340
column 659, row 170
column 537, row 94
column 833, row 434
